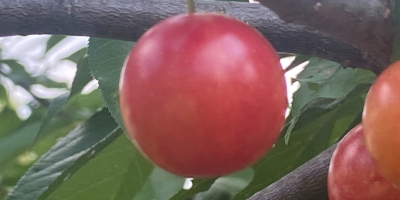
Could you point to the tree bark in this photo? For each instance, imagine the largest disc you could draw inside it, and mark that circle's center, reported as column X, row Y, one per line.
column 128, row 20
column 367, row 24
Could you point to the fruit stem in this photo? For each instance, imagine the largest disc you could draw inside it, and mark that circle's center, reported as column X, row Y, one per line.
column 191, row 6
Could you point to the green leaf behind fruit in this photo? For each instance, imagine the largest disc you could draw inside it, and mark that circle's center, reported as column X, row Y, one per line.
column 66, row 157
column 106, row 59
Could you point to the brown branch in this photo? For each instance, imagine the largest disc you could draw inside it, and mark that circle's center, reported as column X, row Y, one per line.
column 367, row 24
column 128, row 20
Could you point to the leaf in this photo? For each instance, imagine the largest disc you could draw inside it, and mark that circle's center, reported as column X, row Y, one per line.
column 365, row 77
column 53, row 41
column 228, row 186
column 161, row 186
column 290, row 129
column 9, row 121
column 3, row 96
column 116, row 173
column 20, row 161
column 324, row 84
column 77, row 56
column 106, row 59
column 66, row 157
column 198, row 186
column 82, row 77
column 83, row 106
column 52, row 111
column 307, row 140
column 349, row 118
column 17, row 142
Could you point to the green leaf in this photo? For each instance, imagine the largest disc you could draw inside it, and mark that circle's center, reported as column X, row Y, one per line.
column 83, row 106
column 161, row 186
column 53, row 41
column 348, row 117
column 66, row 157
column 291, row 127
column 3, row 96
column 20, row 161
column 225, row 188
column 17, row 142
column 324, row 84
column 9, row 121
column 77, row 56
column 308, row 139
column 198, row 186
column 106, row 59
column 116, row 173
column 82, row 77
column 365, row 77
column 52, row 111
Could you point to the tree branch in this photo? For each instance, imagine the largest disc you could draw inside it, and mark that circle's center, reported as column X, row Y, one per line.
column 367, row 24
column 128, row 20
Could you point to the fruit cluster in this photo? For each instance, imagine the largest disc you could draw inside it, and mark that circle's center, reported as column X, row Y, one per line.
column 366, row 163
column 203, row 95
